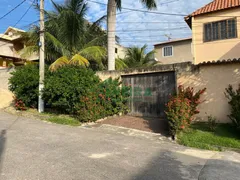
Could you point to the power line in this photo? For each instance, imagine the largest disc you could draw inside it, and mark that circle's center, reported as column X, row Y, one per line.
column 161, row 4
column 12, row 9
column 24, row 14
column 140, row 30
column 168, row 2
column 145, row 11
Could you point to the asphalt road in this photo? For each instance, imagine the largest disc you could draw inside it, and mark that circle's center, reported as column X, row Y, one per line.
column 35, row 150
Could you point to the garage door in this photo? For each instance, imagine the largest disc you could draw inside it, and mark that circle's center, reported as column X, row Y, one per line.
column 150, row 92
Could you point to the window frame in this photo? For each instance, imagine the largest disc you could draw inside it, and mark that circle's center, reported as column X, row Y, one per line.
column 219, row 30
column 163, row 51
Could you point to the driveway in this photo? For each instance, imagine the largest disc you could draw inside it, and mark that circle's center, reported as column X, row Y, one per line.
column 36, row 150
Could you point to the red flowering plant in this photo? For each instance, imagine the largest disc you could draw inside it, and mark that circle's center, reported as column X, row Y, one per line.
column 107, row 99
column 181, row 109
column 194, row 98
column 178, row 114
column 19, row 104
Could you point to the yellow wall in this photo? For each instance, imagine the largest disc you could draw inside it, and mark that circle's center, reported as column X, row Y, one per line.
column 182, row 52
column 215, row 78
column 215, row 50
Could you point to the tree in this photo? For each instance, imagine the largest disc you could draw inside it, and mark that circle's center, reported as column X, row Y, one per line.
column 136, row 57
column 69, row 37
column 113, row 5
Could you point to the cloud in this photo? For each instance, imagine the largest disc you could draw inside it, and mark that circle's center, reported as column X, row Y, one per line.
column 152, row 28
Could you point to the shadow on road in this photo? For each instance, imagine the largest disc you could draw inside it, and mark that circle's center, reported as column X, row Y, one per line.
column 3, row 140
column 179, row 166
column 167, row 166
column 2, row 146
column 157, row 125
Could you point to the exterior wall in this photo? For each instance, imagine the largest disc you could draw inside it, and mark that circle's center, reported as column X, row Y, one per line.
column 4, row 76
column 6, row 48
column 182, row 52
column 215, row 50
column 121, row 51
column 5, row 94
column 214, row 77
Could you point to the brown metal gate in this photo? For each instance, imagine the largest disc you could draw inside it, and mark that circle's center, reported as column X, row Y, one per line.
column 150, row 92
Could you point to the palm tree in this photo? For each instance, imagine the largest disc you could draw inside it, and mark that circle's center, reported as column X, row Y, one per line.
column 136, row 57
column 70, row 39
column 120, row 64
column 113, row 5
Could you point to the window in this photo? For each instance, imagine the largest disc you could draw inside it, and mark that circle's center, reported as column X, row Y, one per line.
column 167, row 51
column 116, row 50
column 219, row 30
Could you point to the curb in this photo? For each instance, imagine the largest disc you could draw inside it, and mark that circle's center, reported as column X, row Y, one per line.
column 135, row 132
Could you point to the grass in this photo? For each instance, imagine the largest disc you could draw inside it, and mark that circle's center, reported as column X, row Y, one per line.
column 199, row 136
column 64, row 120
column 50, row 116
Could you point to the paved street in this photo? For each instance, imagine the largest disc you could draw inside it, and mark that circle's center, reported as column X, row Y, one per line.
column 36, row 150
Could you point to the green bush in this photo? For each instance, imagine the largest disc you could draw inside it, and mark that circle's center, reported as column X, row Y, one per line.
column 24, row 84
column 70, row 90
column 234, row 101
column 212, row 123
column 106, row 100
column 65, row 87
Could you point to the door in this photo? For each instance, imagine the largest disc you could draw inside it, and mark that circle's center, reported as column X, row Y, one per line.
column 150, row 92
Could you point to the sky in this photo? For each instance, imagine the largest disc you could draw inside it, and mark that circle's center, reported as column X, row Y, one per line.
column 134, row 28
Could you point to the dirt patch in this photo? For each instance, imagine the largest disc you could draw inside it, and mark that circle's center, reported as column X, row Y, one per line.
column 5, row 98
column 156, row 125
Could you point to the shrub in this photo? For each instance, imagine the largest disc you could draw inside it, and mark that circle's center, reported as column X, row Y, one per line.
column 234, row 101
column 181, row 109
column 71, row 90
column 194, row 98
column 24, row 84
column 212, row 123
column 106, row 100
column 178, row 114
column 65, row 87
column 113, row 96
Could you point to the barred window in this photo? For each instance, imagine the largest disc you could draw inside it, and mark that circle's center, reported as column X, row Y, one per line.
column 219, row 30
column 167, row 51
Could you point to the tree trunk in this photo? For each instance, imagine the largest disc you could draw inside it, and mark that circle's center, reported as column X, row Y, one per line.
column 111, row 28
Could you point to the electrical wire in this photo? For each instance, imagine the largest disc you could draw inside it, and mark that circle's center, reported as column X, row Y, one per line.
column 24, row 14
column 145, row 11
column 12, row 10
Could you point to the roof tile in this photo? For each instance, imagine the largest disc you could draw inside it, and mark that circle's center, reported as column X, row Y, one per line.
column 216, row 5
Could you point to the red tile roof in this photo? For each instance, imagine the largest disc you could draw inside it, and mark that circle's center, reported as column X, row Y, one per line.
column 216, row 5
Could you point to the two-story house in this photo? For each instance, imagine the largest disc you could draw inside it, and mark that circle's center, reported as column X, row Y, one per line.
column 216, row 54
column 174, row 51
column 216, row 31
column 10, row 44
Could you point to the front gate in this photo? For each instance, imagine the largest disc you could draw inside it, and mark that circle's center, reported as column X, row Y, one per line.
column 150, row 92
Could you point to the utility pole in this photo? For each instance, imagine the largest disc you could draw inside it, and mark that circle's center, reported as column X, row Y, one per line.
column 41, row 58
